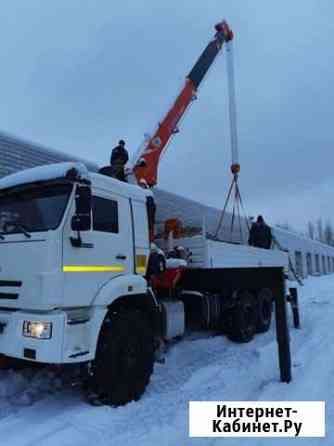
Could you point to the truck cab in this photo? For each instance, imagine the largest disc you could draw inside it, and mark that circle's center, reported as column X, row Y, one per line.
column 72, row 244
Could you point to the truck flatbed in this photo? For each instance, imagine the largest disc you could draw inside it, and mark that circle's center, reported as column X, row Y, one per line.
column 214, row 254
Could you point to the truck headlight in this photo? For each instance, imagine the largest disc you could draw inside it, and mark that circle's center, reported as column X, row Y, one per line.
column 37, row 329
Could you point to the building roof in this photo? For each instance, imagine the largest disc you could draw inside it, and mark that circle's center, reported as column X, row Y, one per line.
column 17, row 154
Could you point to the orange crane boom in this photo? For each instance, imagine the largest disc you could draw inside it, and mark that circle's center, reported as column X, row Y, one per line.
column 147, row 160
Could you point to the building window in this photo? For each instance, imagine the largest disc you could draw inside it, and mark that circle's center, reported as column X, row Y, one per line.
column 105, row 215
column 323, row 265
column 317, row 263
column 299, row 263
column 309, row 263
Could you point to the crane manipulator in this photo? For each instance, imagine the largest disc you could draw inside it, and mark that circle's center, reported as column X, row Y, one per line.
column 146, row 161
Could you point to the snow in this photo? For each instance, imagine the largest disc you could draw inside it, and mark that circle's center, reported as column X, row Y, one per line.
column 39, row 406
column 43, row 173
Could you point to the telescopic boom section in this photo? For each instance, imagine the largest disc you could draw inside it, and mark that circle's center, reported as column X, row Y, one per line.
column 147, row 162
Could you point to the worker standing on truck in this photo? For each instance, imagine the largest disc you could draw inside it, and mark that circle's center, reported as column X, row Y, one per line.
column 119, row 157
column 260, row 234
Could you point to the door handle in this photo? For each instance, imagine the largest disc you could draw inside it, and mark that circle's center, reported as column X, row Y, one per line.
column 121, row 257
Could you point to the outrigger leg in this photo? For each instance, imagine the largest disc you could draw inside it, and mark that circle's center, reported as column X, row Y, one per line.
column 282, row 332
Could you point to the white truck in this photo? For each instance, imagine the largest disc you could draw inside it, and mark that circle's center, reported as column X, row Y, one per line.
column 75, row 285
column 82, row 283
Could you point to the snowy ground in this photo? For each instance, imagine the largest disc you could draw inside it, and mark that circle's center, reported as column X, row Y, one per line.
column 39, row 407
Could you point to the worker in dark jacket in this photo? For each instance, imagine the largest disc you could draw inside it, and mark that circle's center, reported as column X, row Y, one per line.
column 260, row 234
column 119, row 157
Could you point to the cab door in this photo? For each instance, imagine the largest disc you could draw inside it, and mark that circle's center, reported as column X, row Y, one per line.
column 106, row 253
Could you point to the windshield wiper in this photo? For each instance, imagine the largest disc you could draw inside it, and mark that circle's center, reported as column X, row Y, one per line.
column 2, row 236
column 17, row 225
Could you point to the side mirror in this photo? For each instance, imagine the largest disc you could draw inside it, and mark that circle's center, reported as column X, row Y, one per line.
column 81, row 223
column 81, row 220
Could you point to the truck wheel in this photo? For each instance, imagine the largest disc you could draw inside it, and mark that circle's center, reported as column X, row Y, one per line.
column 124, row 358
column 264, row 310
column 243, row 323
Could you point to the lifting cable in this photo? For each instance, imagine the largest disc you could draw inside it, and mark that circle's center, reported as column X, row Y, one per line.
column 235, row 167
column 224, row 209
column 238, row 207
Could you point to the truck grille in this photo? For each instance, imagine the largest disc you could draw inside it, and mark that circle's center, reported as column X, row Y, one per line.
column 14, row 283
column 9, row 296
column 8, row 284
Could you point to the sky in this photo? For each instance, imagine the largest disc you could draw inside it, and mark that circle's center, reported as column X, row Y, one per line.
column 78, row 75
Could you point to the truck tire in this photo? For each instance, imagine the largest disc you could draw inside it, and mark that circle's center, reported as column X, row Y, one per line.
column 264, row 304
column 243, row 318
column 124, row 358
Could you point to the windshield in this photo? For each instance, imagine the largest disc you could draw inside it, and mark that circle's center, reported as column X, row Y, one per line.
column 34, row 208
